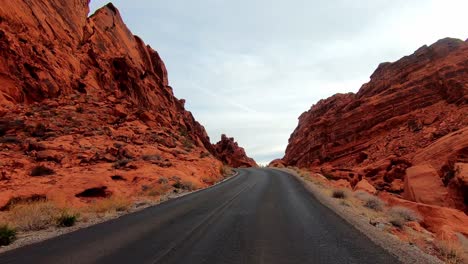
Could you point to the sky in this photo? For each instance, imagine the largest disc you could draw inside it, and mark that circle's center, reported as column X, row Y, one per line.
column 249, row 68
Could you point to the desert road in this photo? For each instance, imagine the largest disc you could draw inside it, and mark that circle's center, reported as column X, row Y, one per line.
column 260, row 216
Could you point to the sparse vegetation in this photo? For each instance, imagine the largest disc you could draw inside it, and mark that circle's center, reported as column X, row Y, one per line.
column 451, row 252
column 121, row 163
column 400, row 215
column 152, row 157
column 405, row 213
column 110, row 205
column 67, row 219
column 370, row 201
column 226, row 171
column 80, row 109
column 184, row 185
column 34, row 215
column 339, row 194
column 41, row 170
column 163, row 180
column 7, row 235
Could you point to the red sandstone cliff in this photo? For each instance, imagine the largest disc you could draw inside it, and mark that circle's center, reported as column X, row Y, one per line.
column 86, row 105
column 229, row 152
column 405, row 131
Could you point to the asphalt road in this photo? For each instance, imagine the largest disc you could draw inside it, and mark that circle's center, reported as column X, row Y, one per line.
column 260, row 216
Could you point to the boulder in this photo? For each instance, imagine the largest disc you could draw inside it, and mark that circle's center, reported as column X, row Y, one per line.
column 364, row 185
column 423, row 185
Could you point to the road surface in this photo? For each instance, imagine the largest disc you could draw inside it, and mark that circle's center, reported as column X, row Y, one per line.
column 260, row 216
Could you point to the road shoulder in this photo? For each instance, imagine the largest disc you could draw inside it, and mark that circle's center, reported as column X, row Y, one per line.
column 406, row 253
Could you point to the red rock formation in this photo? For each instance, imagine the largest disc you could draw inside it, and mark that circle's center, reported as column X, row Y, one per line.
column 412, row 114
column 229, row 152
column 85, row 98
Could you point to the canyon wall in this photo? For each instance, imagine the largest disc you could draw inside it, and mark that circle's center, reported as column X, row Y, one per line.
column 405, row 131
column 86, row 110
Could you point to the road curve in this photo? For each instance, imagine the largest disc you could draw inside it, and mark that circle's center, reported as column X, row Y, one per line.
column 259, row 216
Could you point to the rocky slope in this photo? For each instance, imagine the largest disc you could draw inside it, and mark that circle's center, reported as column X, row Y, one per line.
column 86, row 110
column 405, row 131
column 229, row 152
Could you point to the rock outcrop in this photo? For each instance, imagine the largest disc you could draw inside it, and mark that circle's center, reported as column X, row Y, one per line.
column 405, row 131
column 86, row 108
column 229, row 152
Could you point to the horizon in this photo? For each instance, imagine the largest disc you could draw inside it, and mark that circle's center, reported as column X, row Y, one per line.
column 224, row 77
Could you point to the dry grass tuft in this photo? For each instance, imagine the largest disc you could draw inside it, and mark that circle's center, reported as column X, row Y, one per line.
column 451, row 252
column 405, row 214
column 33, row 216
column 112, row 204
column 399, row 216
column 370, row 201
column 339, row 194
column 226, row 171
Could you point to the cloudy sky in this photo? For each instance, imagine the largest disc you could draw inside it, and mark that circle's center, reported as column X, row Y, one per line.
column 249, row 68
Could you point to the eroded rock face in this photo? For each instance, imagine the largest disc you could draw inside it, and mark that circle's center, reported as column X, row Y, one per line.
column 412, row 114
column 85, row 98
column 229, row 152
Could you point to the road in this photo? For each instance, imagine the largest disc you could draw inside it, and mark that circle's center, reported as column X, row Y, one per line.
column 260, row 216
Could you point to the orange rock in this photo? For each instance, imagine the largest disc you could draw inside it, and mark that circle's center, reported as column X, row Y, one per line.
column 229, row 152
column 86, row 98
column 277, row 163
column 442, row 221
column 412, row 112
column 423, row 185
column 341, row 183
column 364, row 185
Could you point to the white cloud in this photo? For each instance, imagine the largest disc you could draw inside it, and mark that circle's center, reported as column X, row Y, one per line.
column 250, row 68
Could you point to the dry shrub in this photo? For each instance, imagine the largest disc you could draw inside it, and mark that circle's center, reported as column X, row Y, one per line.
column 405, row 214
column 400, row 215
column 339, row 194
column 110, row 205
column 226, row 170
column 34, row 215
column 451, row 252
column 370, row 201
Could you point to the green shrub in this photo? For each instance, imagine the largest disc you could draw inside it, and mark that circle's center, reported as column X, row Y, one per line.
column 7, row 235
column 67, row 219
column 339, row 194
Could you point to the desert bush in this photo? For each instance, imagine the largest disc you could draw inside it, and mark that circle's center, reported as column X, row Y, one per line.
column 451, row 252
column 154, row 157
column 41, row 170
column 226, row 170
column 187, row 185
column 374, row 203
column 370, row 201
column 7, row 235
column 80, row 109
column 397, row 221
column 405, row 213
column 110, row 205
column 67, row 219
column 33, row 215
column 163, row 180
column 339, row 194
column 121, row 163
